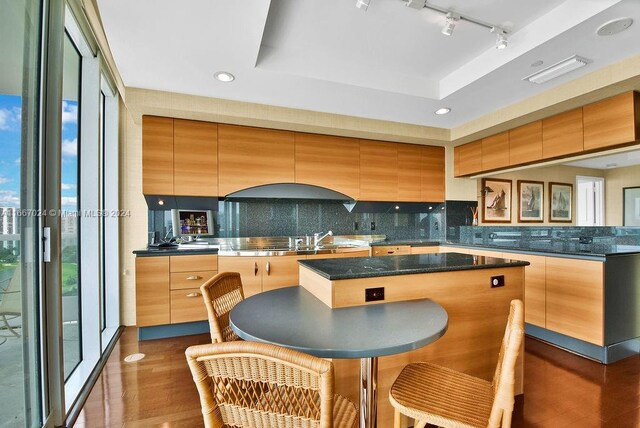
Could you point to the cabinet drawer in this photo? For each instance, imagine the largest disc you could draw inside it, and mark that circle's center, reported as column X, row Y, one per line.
column 193, row 263
column 193, row 279
column 187, row 305
column 391, row 250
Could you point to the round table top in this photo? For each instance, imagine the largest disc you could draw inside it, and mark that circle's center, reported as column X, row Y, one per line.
column 294, row 318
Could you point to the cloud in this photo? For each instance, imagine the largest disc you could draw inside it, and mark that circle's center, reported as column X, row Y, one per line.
column 70, row 148
column 69, row 113
column 68, row 186
column 69, row 201
column 17, row 161
column 9, row 198
column 10, row 118
column 4, row 180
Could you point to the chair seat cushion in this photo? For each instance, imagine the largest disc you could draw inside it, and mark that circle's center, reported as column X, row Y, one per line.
column 442, row 396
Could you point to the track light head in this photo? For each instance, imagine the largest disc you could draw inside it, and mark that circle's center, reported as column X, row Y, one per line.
column 363, row 4
column 501, row 38
column 450, row 24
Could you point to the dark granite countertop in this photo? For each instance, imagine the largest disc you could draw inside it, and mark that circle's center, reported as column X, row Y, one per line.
column 174, row 251
column 568, row 249
column 410, row 242
column 368, row 267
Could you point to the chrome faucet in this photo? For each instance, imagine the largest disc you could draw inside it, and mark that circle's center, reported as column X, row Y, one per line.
column 317, row 237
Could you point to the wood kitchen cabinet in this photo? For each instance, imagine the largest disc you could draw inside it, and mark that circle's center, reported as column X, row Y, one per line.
column 328, row 161
column 495, row 151
column 260, row 274
column 612, row 122
column 425, row 250
column 525, row 143
column 249, row 157
column 562, row 134
column 168, row 288
column 575, row 298
column 378, row 171
column 433, row 174
column 280, row 271
column 390, row 250
column 409, row 173
column 179, row 157
column 534, row 288
column 467, row 159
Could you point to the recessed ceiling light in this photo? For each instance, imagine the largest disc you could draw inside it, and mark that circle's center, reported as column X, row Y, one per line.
column 611, row 165
column 614, row 27
column 224, row 76
column 443, row 110
column 537, row 63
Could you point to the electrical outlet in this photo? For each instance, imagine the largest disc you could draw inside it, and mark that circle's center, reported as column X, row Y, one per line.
column 373, row 294
column 373, row 225
column 497, row 281
column 355, row 225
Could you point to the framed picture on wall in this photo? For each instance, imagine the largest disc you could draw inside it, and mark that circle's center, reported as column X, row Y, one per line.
column 631, row 203
column 496, row 200
column 530, row 201
column 560, row 201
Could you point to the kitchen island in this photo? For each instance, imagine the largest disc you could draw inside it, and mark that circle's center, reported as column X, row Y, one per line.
column 462, row 284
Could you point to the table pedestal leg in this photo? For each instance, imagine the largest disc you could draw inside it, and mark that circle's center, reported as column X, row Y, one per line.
column 368, row 392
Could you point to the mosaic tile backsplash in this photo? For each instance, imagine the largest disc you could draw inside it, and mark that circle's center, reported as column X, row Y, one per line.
column 295, row 218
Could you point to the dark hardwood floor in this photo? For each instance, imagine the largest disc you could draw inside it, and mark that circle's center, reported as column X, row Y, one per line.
column 561, row 389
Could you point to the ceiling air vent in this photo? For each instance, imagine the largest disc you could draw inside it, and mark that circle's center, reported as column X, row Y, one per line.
column 558, row 69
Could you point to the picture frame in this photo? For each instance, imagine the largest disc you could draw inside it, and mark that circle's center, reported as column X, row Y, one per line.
column 496, row 200
column 631, row 206
column 560, row 202
column 530, row 201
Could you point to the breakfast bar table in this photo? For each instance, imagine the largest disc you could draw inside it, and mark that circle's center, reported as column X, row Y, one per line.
column 294, row 318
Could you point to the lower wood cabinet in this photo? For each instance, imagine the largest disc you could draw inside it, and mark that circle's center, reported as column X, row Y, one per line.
column 535, row 287
column 390, row 250
column 168, row 288
column 425, row 250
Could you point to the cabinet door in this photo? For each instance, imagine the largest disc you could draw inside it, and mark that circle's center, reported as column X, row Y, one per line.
column 432, row 178
column 378, row 171
column 562, row 134
column 187, row 305
column 195, row 158
column 534, row 288
column 467, row 159
column 525, row 143
column 575, row 298
column 409, row 173
column 495, row 151
column 612, row 121
column 157, row 155
column 327, row 161
column 249, row 157
column 152, row 291
column 249, row 268
column 278, row 272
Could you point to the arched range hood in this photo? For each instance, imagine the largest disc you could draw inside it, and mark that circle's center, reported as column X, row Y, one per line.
column 288, row 191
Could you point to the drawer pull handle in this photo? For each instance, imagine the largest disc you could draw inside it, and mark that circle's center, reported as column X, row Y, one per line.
column 390, row 252
column 255, row 268
column 268, row 268
column 194, row 277
column 194, row 294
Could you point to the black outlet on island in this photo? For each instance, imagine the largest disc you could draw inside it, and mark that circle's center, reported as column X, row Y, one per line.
column 373, row 225
column 497, row 281
column 373, row 294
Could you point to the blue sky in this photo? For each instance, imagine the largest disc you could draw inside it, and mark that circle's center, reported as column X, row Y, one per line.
column 10, row 136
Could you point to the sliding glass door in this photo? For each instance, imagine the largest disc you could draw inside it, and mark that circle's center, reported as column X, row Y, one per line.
column 21, row 343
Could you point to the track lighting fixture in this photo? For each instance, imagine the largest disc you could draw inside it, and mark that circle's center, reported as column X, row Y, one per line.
column 363, row 4
column 450, row 24
column 501, row 38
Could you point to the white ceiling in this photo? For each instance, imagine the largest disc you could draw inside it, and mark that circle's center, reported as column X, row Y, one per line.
column 618, row 160
column 390, row 62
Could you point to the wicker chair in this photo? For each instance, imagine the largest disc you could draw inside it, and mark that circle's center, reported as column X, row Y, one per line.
column 221, row 293
column 258, row 385
column 440, row 396
column 11, row 303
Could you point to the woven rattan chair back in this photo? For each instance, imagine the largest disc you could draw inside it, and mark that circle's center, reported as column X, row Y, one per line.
column 258, row 385
column 504, row 377
column 221, row 293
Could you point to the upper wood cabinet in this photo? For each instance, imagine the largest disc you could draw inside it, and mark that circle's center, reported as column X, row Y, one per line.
column 432, row 178
column 612, row 122
column 562, row 134
column 195, row 158
column 495, row 151
column 249, row 157
column 525, row 143
column 467, row 159
column 328, row 161
column 179, row 157
column 378, row 171
column 409, row 173
column 157, row 155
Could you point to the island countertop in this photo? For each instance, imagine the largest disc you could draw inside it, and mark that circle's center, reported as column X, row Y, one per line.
column 370, row 267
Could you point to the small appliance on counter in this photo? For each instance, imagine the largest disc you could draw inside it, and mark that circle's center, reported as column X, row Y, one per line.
column 192, row 222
